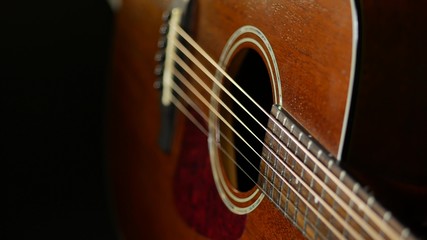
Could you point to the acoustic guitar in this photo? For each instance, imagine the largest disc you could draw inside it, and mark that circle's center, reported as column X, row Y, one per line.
column 273, row 119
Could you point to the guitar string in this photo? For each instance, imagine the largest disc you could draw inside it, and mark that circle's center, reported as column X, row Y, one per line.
column 185, row 67
column 365, row 207
column 387, row 229
column 191, row 88
column 368, row 212
column 187, row 84
column 360, row 221
column 180, row 106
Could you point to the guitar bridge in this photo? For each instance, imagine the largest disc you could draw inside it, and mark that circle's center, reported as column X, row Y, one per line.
column 175, row 16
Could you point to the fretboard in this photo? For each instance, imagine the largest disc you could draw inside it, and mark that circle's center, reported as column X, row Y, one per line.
column 312, row 191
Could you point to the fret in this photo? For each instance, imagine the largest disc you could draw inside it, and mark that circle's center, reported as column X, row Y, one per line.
column 307, row 216
column 281, row 186
column 306, row 178
column 348, row 220
column 405, row 233
column 297, row 202
column 264, row 169
column 301, row 216
column 312, row 179
column 272, row 187
column 273, row 176
column 312, row 233
column 346, row 216
column 278, row 183
column 291, row 208
column 322, row 175
column 296, row 208
column 299, row 220
column 318, row 224
column 276, row 195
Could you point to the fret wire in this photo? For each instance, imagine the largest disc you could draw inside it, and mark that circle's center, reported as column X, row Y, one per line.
column 319, row 200
column 277, row 180
column 289, row 187
column 322, row 196
column 296, row 212
column 304, row 216
column 359, row 200
column 313, row 179
column 266, row 169
column 281, row 183
column 296, row 208
column 317, row 220
column 327, row 188
column 346, row 218
column 274, row 163
column 311, row 193
column 272, row 176
column 298, row 189
column 287, row 197
column 351, row 204
column 369, row 200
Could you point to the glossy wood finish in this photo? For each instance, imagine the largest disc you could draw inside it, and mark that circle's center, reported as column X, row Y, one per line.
column 312, row 43
column 314, row 67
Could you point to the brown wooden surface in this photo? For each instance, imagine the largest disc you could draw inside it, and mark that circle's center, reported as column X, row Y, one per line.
column 312, row 43
column 314, row 66
column 266, row 222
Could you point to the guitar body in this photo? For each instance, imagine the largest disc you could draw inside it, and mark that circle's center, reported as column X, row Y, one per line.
column 156, row 195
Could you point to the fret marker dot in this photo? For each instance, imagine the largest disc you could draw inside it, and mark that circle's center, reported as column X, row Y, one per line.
column 356, row 187
column 342, row 175
column 371, row 201
column 387, row 216
column 330, row 163
column 405, row 233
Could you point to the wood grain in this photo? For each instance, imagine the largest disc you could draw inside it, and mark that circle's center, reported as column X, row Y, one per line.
column 312, row 44
column 311, row 40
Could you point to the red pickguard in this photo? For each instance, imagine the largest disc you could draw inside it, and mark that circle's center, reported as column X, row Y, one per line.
column 196, row 196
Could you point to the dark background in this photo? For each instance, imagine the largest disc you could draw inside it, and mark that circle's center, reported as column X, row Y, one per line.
column 55, row 58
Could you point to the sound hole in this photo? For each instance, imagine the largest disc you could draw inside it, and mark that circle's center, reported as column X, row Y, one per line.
column 249, row 71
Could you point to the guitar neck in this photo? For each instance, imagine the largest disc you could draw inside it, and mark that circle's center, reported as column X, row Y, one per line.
column 311, row 189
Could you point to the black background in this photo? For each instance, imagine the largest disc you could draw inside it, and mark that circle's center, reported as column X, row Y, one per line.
column 55, row 57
